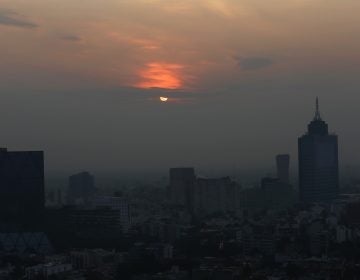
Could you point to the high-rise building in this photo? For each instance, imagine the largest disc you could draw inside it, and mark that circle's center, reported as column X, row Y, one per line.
column 215, row 195
column 182, row 182
column 22, row 197
column 276, row 194
column 282, row 166
column 81, row 188
column 120, row 204
column 318, row 162
column 203, row 196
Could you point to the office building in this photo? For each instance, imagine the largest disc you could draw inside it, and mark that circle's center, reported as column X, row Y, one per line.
column 276, row 194
column 318, row 162
column 182, row 182
column 22, row 197
column 118, row 204
column 215, row 195
column 282, row 168
column 81, row 188
column 203, row 196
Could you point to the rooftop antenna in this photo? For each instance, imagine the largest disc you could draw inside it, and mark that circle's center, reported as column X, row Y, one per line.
column 317, row 111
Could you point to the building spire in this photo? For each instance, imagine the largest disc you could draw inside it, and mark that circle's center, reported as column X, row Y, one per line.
column 317, row 111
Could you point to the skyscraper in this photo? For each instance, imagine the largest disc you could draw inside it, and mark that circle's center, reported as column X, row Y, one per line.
column 81, row 188
column 120, row 204
column 203, row 196
column 276, row 194
column 21, row 189
column 182, row 182
column 282, row 166
column 318, row 162
column 215, row 195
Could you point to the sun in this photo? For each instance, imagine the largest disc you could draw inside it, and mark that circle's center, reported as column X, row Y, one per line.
column 163, row 99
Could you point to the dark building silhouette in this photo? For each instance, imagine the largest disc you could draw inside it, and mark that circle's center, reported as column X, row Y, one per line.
column 276, row 194
column 81, row 188
column 318, row 162
column 215, row 195
column 21, row 190
column 59, row 197
column 203, row 196
column 182, row 182
column 282, row 167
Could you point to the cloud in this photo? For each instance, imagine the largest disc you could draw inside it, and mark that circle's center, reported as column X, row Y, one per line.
column 220, row 7
column 143, row 43
column 11, row 18
column 254, row 63
column 161, row 75
column 72, row 38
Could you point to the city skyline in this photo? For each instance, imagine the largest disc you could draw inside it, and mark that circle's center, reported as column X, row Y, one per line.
column 179, row 139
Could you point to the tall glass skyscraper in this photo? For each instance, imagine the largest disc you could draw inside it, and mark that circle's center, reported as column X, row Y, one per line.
column 21, row 189
column 318, row 162
column 282, row 167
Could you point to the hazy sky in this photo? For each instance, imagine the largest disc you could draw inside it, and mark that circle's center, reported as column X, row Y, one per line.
column 82, row 80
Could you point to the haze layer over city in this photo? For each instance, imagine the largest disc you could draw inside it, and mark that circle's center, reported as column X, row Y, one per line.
column 82, row 80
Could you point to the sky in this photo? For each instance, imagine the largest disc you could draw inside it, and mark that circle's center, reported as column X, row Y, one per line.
column 82, row 80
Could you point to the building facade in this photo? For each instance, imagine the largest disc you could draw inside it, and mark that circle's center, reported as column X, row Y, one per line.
column 119, row 204
column 282, row 168
column 22, row 198
column 81, row 188
column 181, row 186
column 276, row 194
column 215, row 195
column 203, row 196
column 318, row 162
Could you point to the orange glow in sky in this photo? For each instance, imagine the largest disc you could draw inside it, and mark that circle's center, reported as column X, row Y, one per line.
column 160, row 75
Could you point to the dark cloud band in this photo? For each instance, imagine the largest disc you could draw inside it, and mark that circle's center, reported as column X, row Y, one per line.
column 11, row 18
